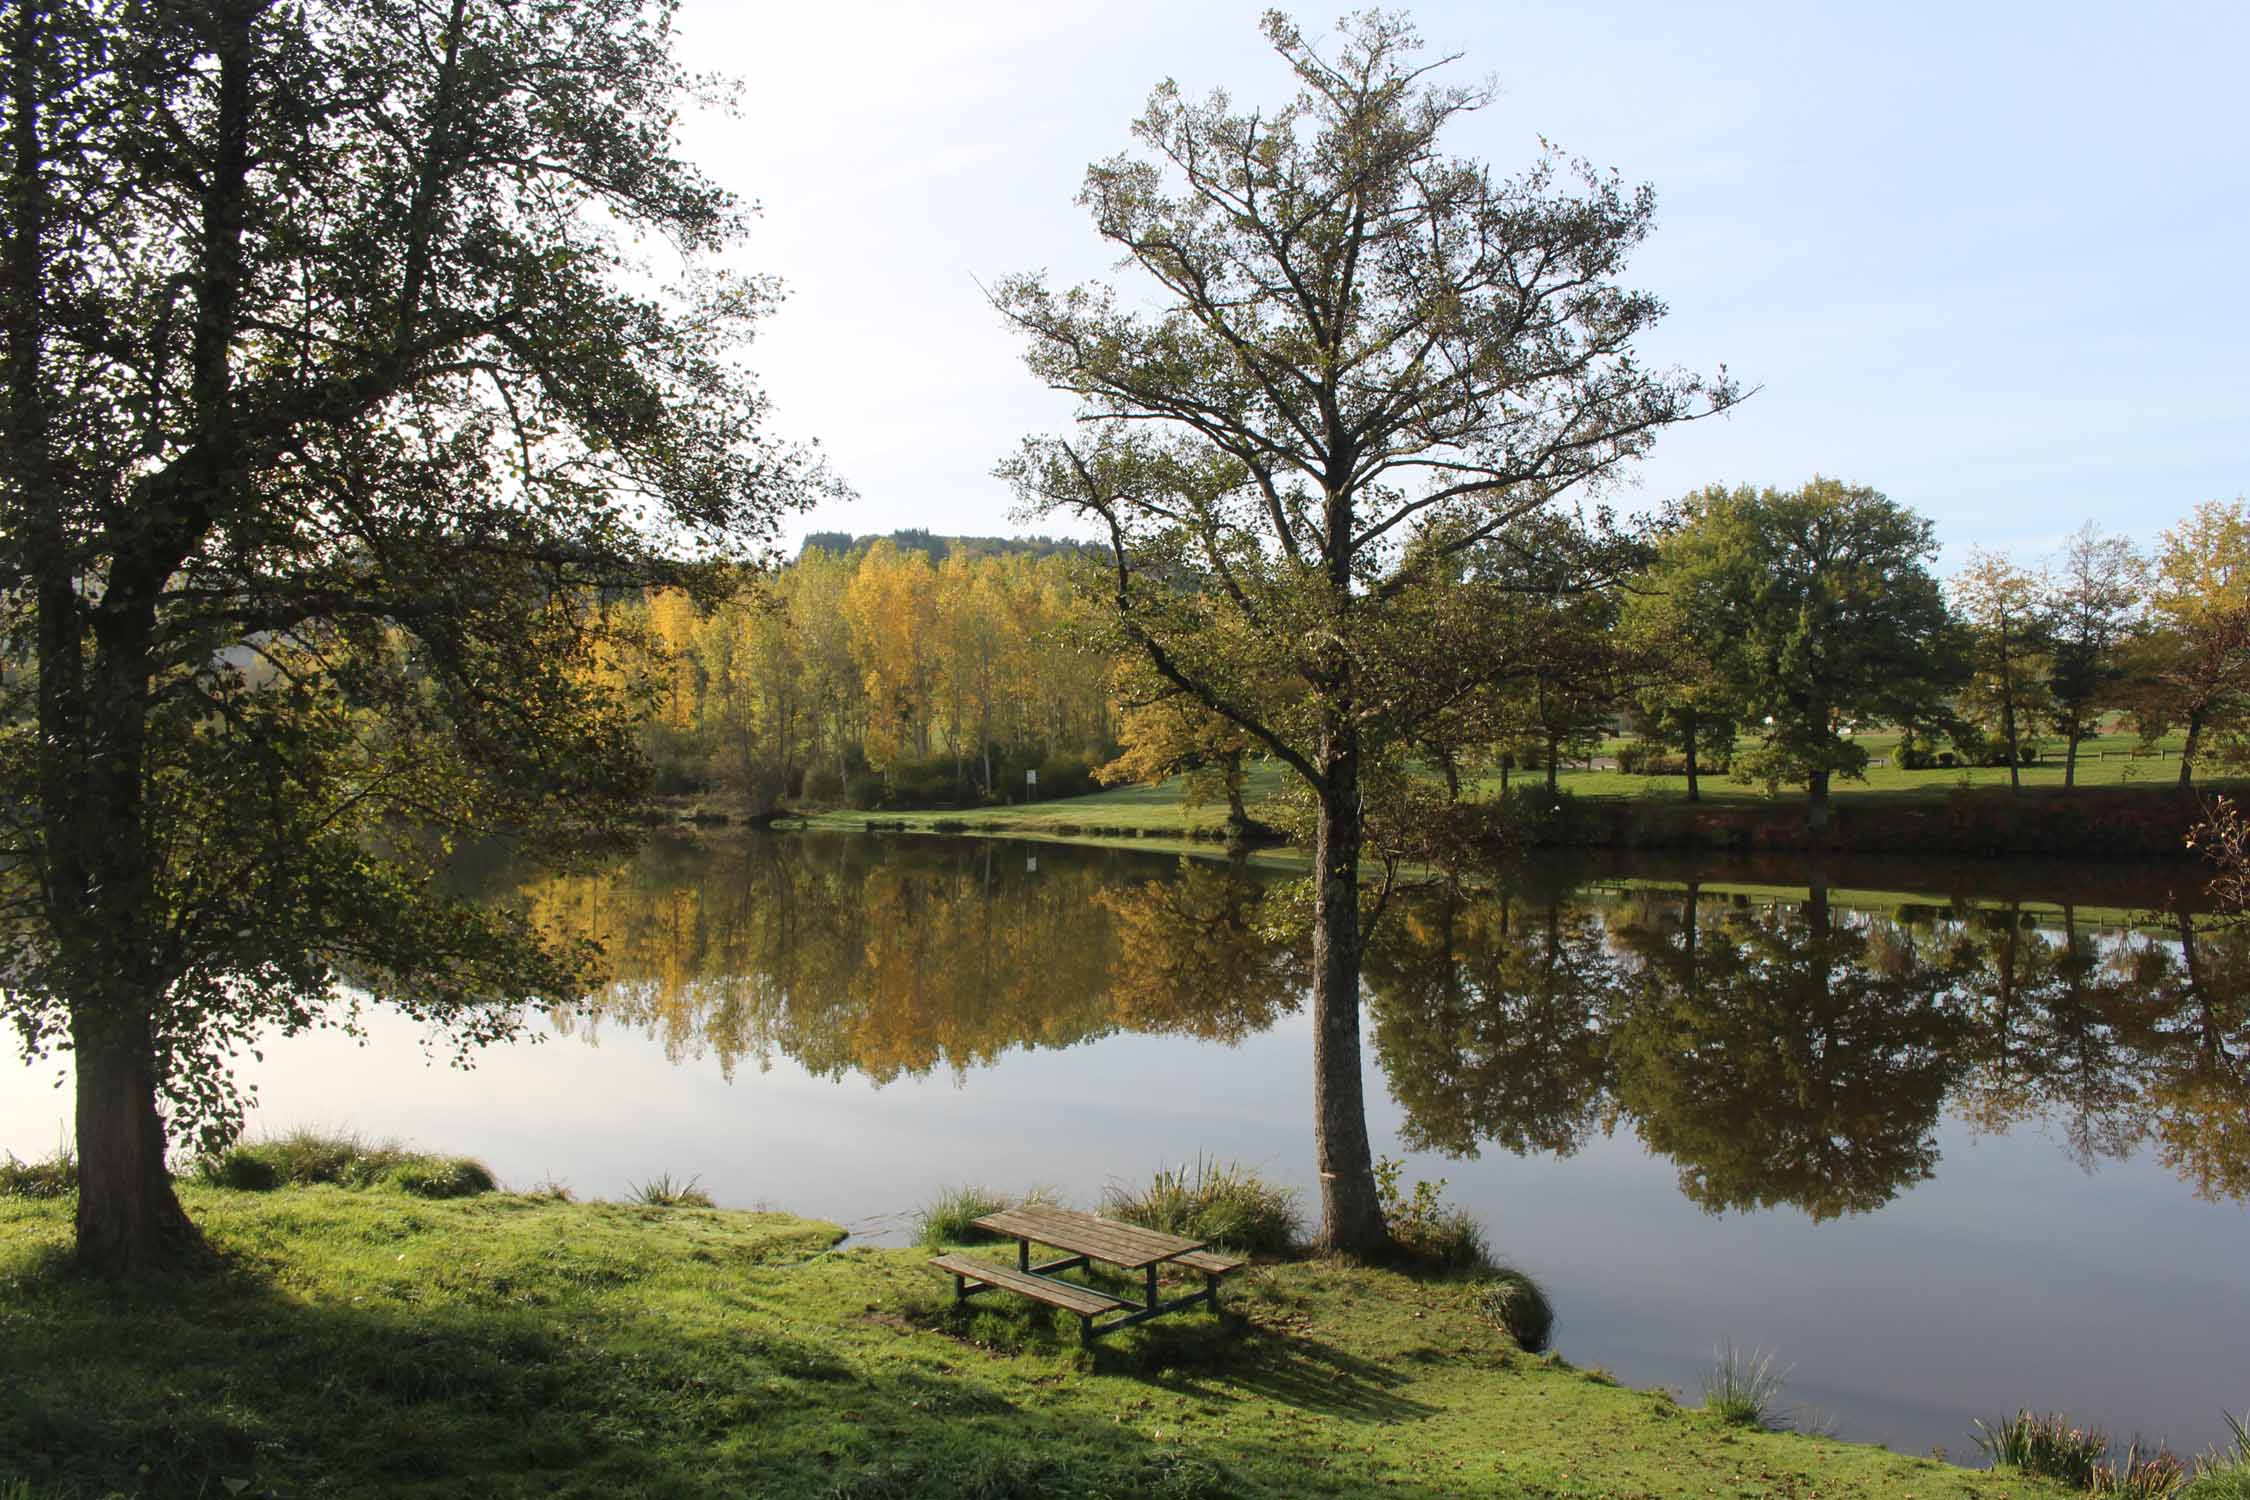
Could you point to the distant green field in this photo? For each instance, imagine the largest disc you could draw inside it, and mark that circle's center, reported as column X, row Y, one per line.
column 1144, row 811
column 2113, row 760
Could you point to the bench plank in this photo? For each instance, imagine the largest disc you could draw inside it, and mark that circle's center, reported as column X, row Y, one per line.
column 1207, row 1262
column 1083, row 1301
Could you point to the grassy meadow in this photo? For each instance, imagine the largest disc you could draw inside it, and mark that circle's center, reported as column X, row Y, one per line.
column 368, row 1341
column 1159, row 811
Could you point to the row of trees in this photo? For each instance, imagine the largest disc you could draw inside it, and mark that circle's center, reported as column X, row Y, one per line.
column 875, row 674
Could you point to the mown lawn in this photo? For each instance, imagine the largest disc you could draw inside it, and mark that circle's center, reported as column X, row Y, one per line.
column 364, row 1342
column 1141, row 812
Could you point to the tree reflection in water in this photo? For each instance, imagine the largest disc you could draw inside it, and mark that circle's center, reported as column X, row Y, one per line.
column 1779, row 1051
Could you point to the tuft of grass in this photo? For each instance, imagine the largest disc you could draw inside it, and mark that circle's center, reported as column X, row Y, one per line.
column 56, row 1177
column 2221, row 1474
column 1514, row 1302
column 1223, row 1202
column 2141, row 1476
column 2046, row 1447
column 310, row 1158
column 661, row 1191
column 1744, row 1389
column 945, row 1219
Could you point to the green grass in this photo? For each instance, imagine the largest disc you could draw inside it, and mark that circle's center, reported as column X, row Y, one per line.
column 2108, row 761
column 56, row 1177
column 1222, row 1202
column 946, row 1218
column 1743, row 1388
column 2049, row 1446
column 2224, row 1474
column 362, row 1343
column 661, row 1191
column 1134, row 815
column 1119, row 813
column 309, row 1158
column 1519, row 1307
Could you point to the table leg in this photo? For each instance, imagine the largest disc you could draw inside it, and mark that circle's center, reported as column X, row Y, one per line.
column 1023, row 1255
column 1152, row 1288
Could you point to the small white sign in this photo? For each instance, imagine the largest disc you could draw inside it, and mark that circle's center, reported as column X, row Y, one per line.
column 1031, row 778
column 1031, row 864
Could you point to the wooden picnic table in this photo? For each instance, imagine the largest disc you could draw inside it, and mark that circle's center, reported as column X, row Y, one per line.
column 1086, row 1238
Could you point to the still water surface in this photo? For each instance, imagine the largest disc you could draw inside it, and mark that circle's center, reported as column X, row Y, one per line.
column 1945, row 1157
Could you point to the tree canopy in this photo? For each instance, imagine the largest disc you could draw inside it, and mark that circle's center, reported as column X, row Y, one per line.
column 1363, row 358
column 341, row 397
column 1820, row 603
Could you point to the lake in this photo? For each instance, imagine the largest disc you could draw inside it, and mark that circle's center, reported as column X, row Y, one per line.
column 1947, row 1140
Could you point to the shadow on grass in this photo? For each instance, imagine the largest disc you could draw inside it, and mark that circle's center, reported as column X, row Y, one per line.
column 243, row 1381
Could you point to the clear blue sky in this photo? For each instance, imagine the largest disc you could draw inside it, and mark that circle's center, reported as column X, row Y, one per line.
column 1987, row 258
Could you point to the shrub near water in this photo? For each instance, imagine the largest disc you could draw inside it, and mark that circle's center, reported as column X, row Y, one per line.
column 1513, row 1301
column 56, row 1177
column 946, row 1219
column 2224, row 1475
column 307, row 1158
column 2050, row 1447
column 1222, row 1202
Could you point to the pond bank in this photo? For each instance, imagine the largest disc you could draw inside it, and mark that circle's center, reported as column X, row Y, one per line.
column 363, row 1342
column 2131, row 822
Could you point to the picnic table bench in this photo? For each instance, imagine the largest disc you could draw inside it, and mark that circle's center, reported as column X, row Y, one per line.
column 1085, row 1238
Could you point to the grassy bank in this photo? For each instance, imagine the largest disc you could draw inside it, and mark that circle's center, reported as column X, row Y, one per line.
column 2124, row 807
column 369, row 1342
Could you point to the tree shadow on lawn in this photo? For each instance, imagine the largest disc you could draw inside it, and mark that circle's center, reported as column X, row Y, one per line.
column 237, row 1383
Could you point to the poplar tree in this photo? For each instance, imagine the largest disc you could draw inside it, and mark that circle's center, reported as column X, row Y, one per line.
column 1351, row 359
column 337, row 401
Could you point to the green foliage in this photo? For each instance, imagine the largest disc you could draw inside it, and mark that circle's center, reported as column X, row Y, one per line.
column 2224, row 1474
column 661, row 1191
column 1822, row 614
column 1424, row 1228
column 947, row 1218
column 1518, row 1306
column 1743, row 1389
column 56, row 1177
column 1223, row 1202
column 2047, row 1447
column 408, row 410
column 305, row 1158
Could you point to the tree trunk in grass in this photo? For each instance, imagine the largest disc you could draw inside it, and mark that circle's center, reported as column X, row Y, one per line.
column 1351, row 1214
column 2187, row 751
column 1693, row 795
column 1816, row 802
column 129, row 1220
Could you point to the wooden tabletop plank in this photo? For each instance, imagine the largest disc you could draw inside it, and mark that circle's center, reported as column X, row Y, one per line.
column 1120, row 1244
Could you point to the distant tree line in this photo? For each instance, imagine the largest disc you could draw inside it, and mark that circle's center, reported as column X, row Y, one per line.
column 1750, row 632
column 874, row 676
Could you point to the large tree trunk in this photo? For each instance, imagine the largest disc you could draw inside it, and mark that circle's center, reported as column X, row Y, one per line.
column 129, row 1221
column 2187, row 751
column 1692, row 794
column 2070, row 754
column 1816, row 802
column 1351, row 1215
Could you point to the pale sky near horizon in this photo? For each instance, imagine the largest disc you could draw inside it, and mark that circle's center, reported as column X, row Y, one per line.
column 1987, row 258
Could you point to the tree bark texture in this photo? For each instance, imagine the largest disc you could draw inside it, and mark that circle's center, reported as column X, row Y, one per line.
column 1816, row 802
column 1351, row 1214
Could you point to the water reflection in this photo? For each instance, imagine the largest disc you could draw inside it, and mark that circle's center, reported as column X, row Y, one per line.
column 1777, row 1050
